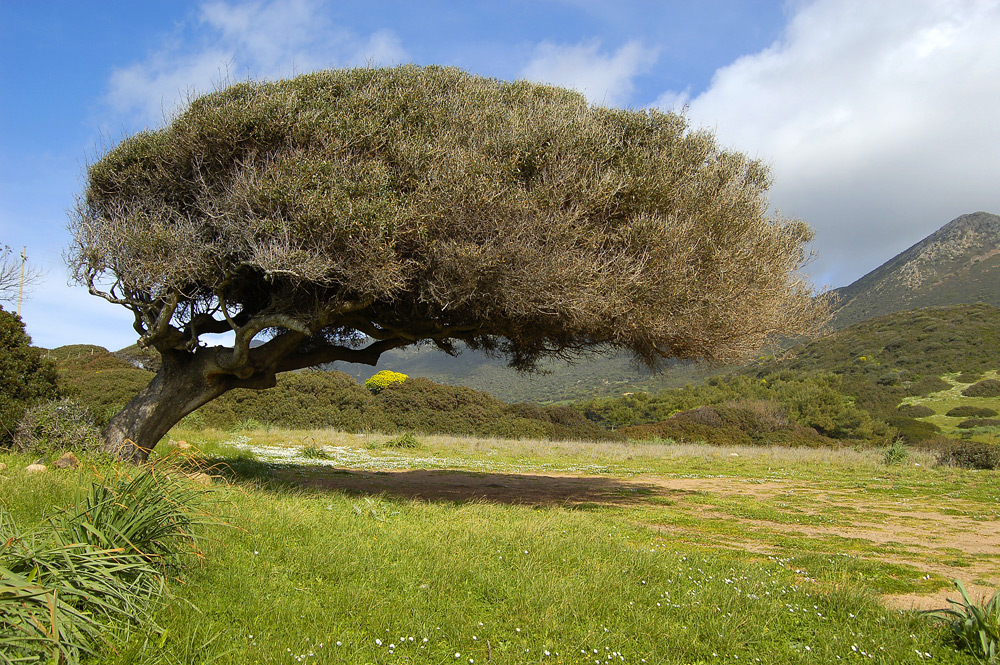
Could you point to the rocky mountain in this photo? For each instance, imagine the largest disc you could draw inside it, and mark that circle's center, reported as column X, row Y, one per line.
column 957, row 264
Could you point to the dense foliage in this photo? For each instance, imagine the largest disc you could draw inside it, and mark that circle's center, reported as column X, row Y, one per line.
column 970, row 411
column 734, row 423
column 382, row 380
column 815, row 401
column 984, row 388
column 26, row 378
column 97, row 379
column 317, row 399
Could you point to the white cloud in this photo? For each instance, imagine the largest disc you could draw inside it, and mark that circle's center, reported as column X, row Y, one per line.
column 262, row 40
column 879, row 119
column 604, row 79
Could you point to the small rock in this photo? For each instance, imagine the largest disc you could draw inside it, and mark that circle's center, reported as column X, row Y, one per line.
column 67, row 461
column 36, row 468
column 182, row 445
column 201, row 478
column 734, row 454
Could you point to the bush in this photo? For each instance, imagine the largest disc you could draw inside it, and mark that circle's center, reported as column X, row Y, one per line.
column 984, row 388
column 926, row 385
column 56, row 426
column 969, row 411
column 915, row 411
column 895, row 453
column 889, row 379
column 969, row 377
column 26, row 378
column 972, row 423
column 913, row 431
column 97, row 379
column 970, row 455
column 382, row 380
column 405, row 440
column 735, row 423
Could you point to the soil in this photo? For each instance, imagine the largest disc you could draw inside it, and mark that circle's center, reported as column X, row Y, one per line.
column 953, row 546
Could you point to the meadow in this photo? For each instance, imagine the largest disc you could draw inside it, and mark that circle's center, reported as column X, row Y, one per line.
column 333, row 547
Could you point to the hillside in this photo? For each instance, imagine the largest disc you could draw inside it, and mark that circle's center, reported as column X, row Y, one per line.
column 558, row 381
column 924, row 342
column 846, row 386
column 957, row 264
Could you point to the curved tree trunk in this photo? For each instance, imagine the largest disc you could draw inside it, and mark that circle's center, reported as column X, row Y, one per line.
column 182, row 385
column 189, row 379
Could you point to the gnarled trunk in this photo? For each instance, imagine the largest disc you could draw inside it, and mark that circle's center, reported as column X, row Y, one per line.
column 185, row 382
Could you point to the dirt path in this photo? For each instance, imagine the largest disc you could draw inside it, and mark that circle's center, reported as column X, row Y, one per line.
column 905, row 532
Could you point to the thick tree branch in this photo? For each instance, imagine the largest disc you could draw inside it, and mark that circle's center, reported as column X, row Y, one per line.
column 238, row 359
column 332, row 353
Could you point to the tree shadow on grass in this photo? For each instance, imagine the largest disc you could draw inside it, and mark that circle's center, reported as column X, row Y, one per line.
column 583, row 492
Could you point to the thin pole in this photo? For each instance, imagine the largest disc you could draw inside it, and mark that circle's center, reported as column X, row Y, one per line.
column 20, row 288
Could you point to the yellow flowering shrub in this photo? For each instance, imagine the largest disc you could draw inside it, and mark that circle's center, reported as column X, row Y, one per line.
column 383, row 380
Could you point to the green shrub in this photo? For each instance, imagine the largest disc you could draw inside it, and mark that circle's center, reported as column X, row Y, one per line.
column 405, row 440
column 56, row 426
column 312, row 451
column 969, row 377
column 26, row 378
column 889, row 379
column 984, row 388
column 926, row 385
column 915, row 410
column 895, row 453
column 970, row 455
column 969, row 411
column 972, row 423
column 382, row 380
column 735, row 423
column 912, row 430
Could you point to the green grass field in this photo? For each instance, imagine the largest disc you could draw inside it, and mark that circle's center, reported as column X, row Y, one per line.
column 341, row 548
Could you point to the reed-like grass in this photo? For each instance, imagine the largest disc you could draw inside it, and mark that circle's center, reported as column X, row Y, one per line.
column 98, row 564
column 975, row 626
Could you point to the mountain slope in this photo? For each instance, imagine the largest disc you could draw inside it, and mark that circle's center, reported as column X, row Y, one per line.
column 957, row 264
column 559, row 381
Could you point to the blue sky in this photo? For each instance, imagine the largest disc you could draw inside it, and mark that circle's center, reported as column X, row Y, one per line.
column 879, row 119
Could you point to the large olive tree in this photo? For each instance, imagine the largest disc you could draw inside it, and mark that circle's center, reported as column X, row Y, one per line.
column 340, row 214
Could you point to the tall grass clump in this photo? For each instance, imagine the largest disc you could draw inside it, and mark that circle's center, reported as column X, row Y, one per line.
column 895, row 453
column 976, row 628
column 97, row 564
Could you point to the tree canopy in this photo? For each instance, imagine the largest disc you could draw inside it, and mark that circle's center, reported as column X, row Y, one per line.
column 343, row 213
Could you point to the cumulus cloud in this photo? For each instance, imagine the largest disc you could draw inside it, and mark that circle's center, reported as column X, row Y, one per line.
column 878, row 118
column 237, row 40
column 603, row 78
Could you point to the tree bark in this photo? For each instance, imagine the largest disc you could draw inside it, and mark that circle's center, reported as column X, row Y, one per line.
column 190, row 379
column 185, row 382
